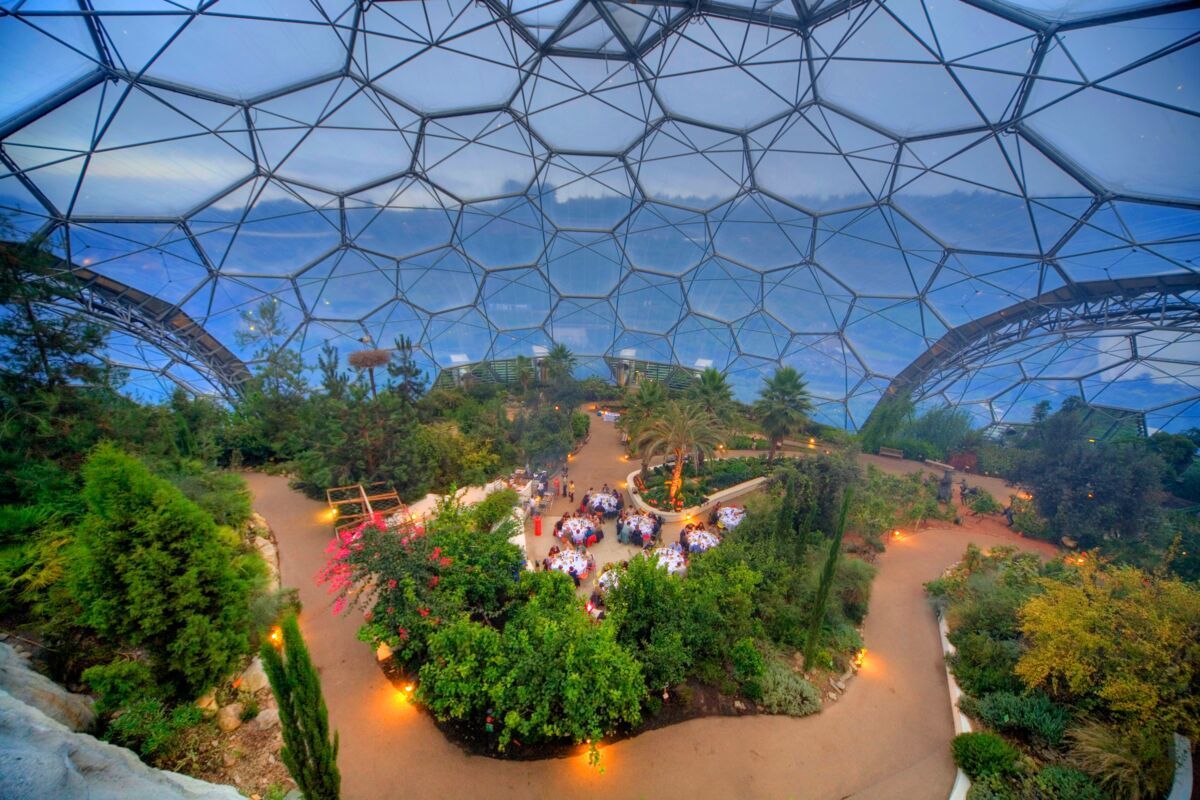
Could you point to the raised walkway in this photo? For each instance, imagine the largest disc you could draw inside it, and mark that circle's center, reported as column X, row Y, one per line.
column 886, row 738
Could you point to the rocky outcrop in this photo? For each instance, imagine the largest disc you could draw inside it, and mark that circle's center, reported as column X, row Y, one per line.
column 254, row 678
column 45, row 760
column 22, row 682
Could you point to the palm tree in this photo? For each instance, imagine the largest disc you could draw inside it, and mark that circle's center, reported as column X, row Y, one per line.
column 640, row 405
column 782, row 406
column 677, row 429
column 559, row 362
column 523, row 371
column 712, row 393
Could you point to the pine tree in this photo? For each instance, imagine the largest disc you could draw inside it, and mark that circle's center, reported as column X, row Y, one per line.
column 308, row 752
column 822, row 599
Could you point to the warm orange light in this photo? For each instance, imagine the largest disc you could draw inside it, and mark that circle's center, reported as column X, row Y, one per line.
column 330, row 515
column 276, row 636
column 624, row 484
column 858, row 658
column 556, row 408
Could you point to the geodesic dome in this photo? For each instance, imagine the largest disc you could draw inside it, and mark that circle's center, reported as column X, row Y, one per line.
column 849, row 188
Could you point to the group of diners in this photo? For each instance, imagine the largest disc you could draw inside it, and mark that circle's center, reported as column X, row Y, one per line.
column 580, row 528
column 571, row 561
column 607, row 502
column 639, row 529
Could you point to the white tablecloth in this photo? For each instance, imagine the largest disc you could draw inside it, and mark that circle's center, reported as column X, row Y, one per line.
column 608, row 579
column 577, row 529
column 642, row 523
column 603, row 502
column 731, row 516
column 569, row 558
column 699, row 541
column 671, row 560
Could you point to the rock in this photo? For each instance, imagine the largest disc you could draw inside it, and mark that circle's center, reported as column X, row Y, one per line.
column 267, row 718
column 294, row 794
column 839, row 685
column 255, row 677
column 739, row 705
column 19, row 680
column 207, row 701
column 269, row 555
column 383, row 652
column 832, row 696
column 229, row 718
column 258, row 525
column 44, row 760
column 228, row 758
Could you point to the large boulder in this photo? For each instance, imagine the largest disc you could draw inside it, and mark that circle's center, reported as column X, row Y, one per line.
column 255, row 677
column 22, row 682
column 45, row 760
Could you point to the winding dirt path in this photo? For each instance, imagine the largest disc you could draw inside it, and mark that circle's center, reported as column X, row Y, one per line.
column 886, row 738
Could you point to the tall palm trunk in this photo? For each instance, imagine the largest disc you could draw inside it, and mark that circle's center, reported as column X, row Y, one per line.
column 772, row 451
column 677, row 475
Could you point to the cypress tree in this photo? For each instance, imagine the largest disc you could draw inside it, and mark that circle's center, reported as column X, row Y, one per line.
column 822, row 599
column 308, row 752
column 785, row 525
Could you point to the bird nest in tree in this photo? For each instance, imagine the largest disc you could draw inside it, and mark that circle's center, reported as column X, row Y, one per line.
column 369, row 359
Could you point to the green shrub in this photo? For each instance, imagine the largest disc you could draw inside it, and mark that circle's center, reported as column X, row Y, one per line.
column 152, row 570
column 741, row 442
column 151, row 729
column 1064, row 783
column 119, row 683
column 747, row 660
column 984, row 503
column 980, row 754
column 1032, row 717
column 580, row 425
column 785, row 692
column 984, row 665
column 495, row 507
column 17, row 522
column 223, row 495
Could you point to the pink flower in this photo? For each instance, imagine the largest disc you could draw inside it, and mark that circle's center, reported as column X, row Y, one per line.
column 339, row 605
column 392, row 584
column 368, row 616
column 403, row 633
column 445, row 561
column 434, row 581
column 424, row 612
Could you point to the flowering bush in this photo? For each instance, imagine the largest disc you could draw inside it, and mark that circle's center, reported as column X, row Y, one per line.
column 409, row 579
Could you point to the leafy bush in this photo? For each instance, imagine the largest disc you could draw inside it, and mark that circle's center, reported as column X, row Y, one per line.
column 785, row 692
column 984, row 665
column 741, row 442
column 580, row 425
column 1064, row 783
column 151, row 729
column 1135, row 763
column 916, row 449
column 647, row 610
column 984, row 503
column 152, row 570
column 249, row 706
column 748, row 667
column 1032, row 717
column 17, row 522
column 980, row 754
column 119, row 683
column 222, row 494
column 495, row 507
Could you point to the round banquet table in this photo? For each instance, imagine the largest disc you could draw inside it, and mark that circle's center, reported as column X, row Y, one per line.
column 731, row 516
column 670, row 560
column 608, row 579
column 577, row 529
column 604, row 502
column 569, row 558
column 640, row 523
column 699, row 541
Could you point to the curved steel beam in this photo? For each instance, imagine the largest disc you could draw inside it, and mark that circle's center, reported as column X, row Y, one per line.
column 164, row 325
column 1092, row 305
